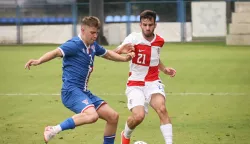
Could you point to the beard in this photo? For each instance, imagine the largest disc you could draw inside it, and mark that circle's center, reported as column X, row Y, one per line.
column 148, row 34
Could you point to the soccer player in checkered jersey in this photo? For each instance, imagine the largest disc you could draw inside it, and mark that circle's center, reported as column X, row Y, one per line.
column 144, row 86
column 78, row 57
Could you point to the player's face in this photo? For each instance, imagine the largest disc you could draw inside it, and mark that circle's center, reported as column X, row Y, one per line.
column 148, row 27
column 90, row 34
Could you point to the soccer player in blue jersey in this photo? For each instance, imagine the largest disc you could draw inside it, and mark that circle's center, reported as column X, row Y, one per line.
column 78, row 58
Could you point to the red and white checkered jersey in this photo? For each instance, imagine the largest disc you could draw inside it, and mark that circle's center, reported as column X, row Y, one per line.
column 144, row 66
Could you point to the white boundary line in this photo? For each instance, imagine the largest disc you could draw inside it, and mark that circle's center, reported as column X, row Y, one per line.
column 120, row 94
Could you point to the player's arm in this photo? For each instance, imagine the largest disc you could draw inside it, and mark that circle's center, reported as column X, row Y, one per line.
column 46, row 57
column 111, row 55
column 124, row 48
column 166, row 70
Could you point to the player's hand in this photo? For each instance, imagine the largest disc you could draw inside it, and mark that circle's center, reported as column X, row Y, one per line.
column 129, row 56
column 31, row 62
column 169, row 71
column 126, row 48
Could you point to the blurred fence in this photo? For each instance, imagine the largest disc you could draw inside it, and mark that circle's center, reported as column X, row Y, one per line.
column 42, row 17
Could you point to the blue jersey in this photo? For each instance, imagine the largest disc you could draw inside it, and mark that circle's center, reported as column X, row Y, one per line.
column 78, row 62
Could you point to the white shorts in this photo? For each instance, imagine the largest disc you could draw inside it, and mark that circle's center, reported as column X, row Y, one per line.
column 141, row 95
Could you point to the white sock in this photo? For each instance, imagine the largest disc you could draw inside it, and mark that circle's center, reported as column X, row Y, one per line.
column 127, row 131
column 57, row 128
column 167, row 133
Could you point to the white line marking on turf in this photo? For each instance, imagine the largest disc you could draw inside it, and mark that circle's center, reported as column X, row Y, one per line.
column 121, row 94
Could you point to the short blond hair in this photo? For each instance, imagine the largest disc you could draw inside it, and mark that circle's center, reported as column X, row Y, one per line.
column 91, row 21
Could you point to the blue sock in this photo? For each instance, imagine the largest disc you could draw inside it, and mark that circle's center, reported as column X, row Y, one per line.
column 68, row 124
column 109, row 139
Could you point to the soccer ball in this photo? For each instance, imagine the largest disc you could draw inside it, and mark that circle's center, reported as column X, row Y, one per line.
column 140, row 142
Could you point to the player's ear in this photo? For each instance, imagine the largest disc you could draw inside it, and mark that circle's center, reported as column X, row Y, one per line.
column 82, row 28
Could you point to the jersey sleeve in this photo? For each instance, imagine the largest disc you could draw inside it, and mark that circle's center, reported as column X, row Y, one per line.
column 100, row 51
column 128, row 39
column 68, row 49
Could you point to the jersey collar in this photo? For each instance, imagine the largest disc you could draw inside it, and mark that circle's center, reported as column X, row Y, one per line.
column 79, row 35
column 147, row 40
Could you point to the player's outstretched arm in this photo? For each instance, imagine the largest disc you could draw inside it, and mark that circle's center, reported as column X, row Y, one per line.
column 46, row 57
column 111, row 55
column 124, row 48
column 167, row 70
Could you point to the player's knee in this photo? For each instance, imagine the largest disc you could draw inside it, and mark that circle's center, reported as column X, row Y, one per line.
column 139, row 117
column 113, row 118
column 93, row 117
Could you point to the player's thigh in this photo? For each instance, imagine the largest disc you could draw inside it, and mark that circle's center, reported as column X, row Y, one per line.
column 90, row 111
column 103, row 109
column 158, row 104
column 105, row 112
column 76, row 100
column 135, row 97
column 157, row 101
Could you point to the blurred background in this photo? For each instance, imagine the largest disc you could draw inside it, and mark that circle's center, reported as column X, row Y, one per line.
column 53, row 21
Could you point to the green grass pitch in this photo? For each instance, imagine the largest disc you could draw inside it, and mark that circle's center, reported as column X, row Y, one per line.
column 208, row 100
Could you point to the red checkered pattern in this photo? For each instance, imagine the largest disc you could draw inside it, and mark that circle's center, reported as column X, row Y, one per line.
column 144, row 66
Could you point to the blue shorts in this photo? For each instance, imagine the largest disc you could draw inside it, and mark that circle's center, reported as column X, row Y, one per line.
column 77, row 100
